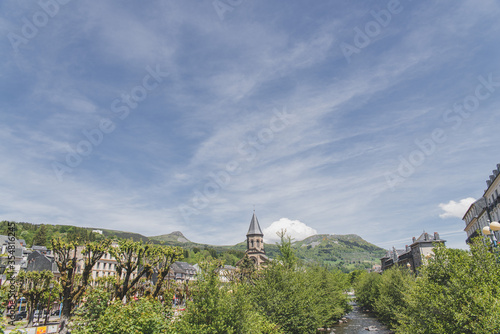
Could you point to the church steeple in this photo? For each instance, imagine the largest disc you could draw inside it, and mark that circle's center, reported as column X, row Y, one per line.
column 254, row 228
column 255, row 242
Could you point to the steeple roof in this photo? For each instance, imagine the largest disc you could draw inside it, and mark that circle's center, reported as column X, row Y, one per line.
column 254, row 226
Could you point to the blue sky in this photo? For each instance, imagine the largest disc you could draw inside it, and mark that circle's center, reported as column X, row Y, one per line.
column 372, row 117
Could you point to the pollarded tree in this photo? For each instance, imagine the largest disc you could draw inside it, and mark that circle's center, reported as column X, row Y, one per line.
column 132, row 263
column 75, row 276
column 162, row 258
column 35, row 288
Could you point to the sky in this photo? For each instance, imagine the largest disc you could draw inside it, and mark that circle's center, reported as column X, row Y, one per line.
column 377, row 118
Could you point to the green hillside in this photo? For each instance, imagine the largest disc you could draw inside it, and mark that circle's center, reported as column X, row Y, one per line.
column 346, row 252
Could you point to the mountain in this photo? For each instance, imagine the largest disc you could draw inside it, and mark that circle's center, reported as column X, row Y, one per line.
column 344, row 251
column 347, row 252
column 174, row 239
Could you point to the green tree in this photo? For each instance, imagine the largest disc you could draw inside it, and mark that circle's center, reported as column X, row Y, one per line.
column 393, row 287
column 40, row 238
column 221, row 308
column 246, row 269
column 327, row 288
column 287, row 254
column 144, row 316
column 75, row 277
column 34, row 286
column 298, row 298
column 367, row 289
column 132, row 264
column 85, row 320
column 457, row 292
column 162, row 258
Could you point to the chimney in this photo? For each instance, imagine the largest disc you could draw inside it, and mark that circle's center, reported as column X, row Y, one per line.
column 436, row 236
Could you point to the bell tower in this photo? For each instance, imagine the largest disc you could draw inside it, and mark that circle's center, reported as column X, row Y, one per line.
column 255, row 242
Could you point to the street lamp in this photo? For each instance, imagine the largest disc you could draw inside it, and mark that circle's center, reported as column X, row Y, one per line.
column 51, row 286
column 489, row 230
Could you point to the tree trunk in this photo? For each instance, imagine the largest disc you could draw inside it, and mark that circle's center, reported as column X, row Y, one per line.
column 65, row 316
column 30, row 313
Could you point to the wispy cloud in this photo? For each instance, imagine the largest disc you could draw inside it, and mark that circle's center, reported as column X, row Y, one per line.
column 349, row 123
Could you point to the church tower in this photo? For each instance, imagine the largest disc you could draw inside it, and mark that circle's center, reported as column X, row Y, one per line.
column 255, row 243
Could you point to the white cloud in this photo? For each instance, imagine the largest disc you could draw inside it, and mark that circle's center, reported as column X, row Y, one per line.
column 456, row 209
column 294, row 228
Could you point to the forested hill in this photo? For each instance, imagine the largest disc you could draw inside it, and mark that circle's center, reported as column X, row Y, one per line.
column 344, row 251
column 347, row 252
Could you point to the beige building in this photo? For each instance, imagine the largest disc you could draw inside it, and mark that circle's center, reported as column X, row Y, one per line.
column 106, row 266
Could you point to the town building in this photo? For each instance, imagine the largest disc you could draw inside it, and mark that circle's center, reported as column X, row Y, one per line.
column 486, row 209
column 181, row 272
column 40, row 261
column 106, row 266
column 414, row 255
column 12, row 250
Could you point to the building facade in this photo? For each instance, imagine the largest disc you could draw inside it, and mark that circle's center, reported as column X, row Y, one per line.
column 414, row 255
column 181, row 272
column 486, row 209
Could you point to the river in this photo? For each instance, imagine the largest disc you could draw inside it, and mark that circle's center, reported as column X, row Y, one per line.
column 358, row 321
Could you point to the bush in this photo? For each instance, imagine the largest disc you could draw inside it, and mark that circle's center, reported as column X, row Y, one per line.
column 144, row 316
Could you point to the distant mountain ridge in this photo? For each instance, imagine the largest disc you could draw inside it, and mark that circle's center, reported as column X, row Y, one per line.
column 347, row 251
column 343, row 251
